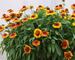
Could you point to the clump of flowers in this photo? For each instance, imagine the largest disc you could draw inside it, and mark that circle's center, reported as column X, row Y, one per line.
column 44, row 35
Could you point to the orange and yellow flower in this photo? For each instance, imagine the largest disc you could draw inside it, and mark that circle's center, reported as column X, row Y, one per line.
column 40, row 7
column 36, row 43
column 24, row 8
column 68, row 55
column 57, row 25
column 27, row 49
column 10, row 10
column 5, row 35
column 15, row 20
column 25, row 19
column 73, row 16
column 2, row 28
column 73, row 24
column 73, row 6
column 13, row 26
column 50, row 12
column 65, row 44
column 33, row 16
column 37, row 33
column 13, row 35
column 45, row 33
column 58, row 7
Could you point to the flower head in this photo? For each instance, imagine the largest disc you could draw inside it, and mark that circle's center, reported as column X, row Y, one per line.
column 33, row 16
column 68, row 55
column 37, row 33
column 5, row 35
column 50, row 12
column 40, row 7
column 25, row 19
column 27, row 49
column 45, row 33
column 13, row 26
column 73, row 6
column 57, row 25
column 65, row 44
column 2, row 28
column 36, row 43
column 73, row 24
column 13, row 35
column 24, row 8
column 10, row 10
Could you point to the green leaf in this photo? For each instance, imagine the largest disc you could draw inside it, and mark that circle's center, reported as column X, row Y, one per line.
column 58, row 50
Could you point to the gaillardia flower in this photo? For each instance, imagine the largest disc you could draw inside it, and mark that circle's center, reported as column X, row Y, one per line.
column 13, row 26
column 37, row 33
column 68, row 55
column 33, row 16
column 50, row 12
column 45, row 33
column 36, row 43
column 40, row 7
column 24, row 8
column 73, row 6
column 15, row 20
column 73, row 16
column 5, row 35
column 25, row 19
column 73, row 24
column 57, row 25
column 2, row 28
column 10, row 10
column 27, row 49
column 65, row 44
column 13, row 35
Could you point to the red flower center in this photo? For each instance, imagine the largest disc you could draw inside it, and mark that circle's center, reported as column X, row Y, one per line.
column 27, row 49
column 56, row 24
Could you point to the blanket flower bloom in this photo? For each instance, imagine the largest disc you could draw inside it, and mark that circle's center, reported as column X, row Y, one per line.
column 13, row 35
column 27, row 49
column 5, row 35
column 57, row 25
column 65, row 44
column 37, row 33
column 68, row 55
column 36, row 43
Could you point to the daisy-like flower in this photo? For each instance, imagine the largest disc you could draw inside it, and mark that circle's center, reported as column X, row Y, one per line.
column 18, row 15
column 40, row 7
column 10, row 10
column 65, row 44
column 13, row 15
column 6, row 17
column 73, row 24
column 73, row 6
column 5, row 35
column 36, row 43
column 27, row 49
column 33, row 16
column 13, row 35
column 50, row 12
column 45, row 33
column 24, row 8
column 15, row 20
column 37, row 33
column 73, row 16
column 13, row 26
column 58, row 7
column 2, row 28
column 68, row 55
column 25, row 19
column 57, row 25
